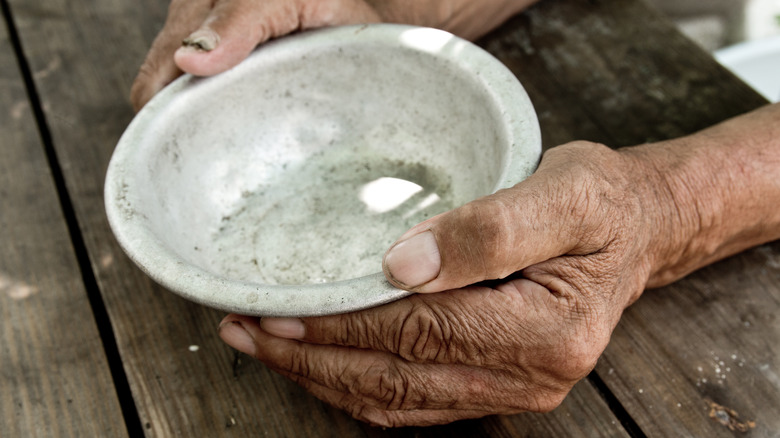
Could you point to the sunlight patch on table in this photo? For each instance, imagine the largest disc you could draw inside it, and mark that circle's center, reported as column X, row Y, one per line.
column 15, row 290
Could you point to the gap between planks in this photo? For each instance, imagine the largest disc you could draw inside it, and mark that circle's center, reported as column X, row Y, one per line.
column 628, row 422
column 121, row 385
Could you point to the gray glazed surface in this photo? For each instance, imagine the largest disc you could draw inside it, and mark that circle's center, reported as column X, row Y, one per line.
column 273, row 189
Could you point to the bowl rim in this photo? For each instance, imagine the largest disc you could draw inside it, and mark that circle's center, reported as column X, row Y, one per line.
column 194, row 283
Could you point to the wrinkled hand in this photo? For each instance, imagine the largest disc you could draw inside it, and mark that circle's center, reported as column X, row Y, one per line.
column 206, row 37
column 576, row 239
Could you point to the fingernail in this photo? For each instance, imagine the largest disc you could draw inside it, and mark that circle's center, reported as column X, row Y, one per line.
column 235, row 335
column 290, row 328
column 202, row 39
column 414, row 261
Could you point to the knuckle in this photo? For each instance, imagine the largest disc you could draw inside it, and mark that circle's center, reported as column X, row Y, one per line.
column 358, row 410
column 147, row 73
column 574, row 151
column 485, row 225
column 285, row 19
column 594, row 191
column 137, row 94
column 316, row 14
column 549, row 402
column 373, row 416
column 143, row 83
column 393, row 391
column 425, row 336
column 353, row 332
column 579, row 358
column 298, row 363
column 185, row 13
column 383, row 387
column 363, row 330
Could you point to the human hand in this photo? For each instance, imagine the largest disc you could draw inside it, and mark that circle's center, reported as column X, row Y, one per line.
column 583, row 233
column 206, row 37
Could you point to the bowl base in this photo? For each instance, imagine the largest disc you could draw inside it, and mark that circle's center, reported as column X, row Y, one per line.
column 331, row 219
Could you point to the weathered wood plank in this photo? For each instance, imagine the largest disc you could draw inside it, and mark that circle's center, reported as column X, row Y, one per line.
column 615, row 72
column 687, row 357
column 55, row 377
column 91, row 49
column 702, row 355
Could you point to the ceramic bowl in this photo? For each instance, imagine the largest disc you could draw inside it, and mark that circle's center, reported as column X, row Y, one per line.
column 275, row 188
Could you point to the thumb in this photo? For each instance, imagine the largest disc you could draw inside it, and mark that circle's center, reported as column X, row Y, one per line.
column 159, row 69
column 489, row 238
column 235, row 27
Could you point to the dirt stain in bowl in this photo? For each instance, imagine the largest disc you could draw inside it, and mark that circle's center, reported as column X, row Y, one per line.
column 329, row 218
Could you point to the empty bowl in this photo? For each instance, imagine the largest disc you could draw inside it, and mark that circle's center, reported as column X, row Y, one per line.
column 274, row 189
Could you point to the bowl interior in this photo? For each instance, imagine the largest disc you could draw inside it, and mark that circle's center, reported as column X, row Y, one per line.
column 307, row 167
column 274, row 188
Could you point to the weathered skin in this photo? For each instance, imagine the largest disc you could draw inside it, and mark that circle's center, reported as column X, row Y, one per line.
column 579, row 241
column 221, row 33
column 587, row 232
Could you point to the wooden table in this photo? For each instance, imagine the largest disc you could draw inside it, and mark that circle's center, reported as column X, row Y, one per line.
column 89, row 346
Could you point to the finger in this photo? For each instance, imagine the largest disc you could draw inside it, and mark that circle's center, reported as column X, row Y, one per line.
column 235, row 27
column 470, row 326
column 159, row 69
column 376, row 379
column 495, row 236
column 382, row 417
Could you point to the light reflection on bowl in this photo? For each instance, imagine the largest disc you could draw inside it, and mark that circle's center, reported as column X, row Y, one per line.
column 275, row 188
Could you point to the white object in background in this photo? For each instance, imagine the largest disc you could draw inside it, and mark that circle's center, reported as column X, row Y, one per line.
column 757, row 63
column 761, row 19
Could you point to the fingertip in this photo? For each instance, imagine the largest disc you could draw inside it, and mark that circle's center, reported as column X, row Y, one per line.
column 190, row 60
column 233, row 333
column 154, row 75
column 222, row 42
column 203, row 39
column 196, row 54
column 192, row 57
column 288, row 328
column 142, row 92
column 413, row 262
column 137, row 98
column 186, row 58
column 209, row 63
column 230, row 318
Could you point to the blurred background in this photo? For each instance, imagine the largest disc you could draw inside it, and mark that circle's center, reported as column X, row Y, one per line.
column 744, row 35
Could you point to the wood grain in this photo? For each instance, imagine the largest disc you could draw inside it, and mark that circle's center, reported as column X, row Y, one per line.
column 92, row 49
column 615, row 72
column 55, row 377
column 699, row 356
column 603, row 70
